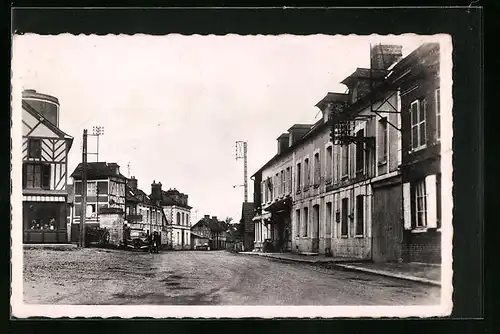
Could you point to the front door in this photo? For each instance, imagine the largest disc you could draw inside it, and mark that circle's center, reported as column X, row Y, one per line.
column 387, row 225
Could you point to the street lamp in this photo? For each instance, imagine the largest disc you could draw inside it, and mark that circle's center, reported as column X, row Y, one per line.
column 97, row 131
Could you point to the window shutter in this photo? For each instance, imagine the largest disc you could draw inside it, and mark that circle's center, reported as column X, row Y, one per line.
column 407, row 205
column 431, row 210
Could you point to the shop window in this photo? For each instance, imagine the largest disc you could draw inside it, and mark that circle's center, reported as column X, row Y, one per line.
column 44, row 216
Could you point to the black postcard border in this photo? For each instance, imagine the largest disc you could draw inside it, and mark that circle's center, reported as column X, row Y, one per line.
column 465, row 25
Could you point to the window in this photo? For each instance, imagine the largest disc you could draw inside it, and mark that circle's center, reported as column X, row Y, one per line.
column 299, row 176
column 178, row 218
column 288, row 180
column 307, row 173
column 182, row 218
column 420, row 204
column 328, row 220
column 91, row 211
column 360, row 215
column 297, row 218
column 283, row 182
column 438, row 113
column 262, row 191
column 360, row 152
column 36, row 176
column 91, row 189
column 277, row 183
column 34, row 148
column 306, row 221
column 317, row 169
column 329, row 163
column 345, row 160
column 382, row 145
column 345, row 217
column 418, row 135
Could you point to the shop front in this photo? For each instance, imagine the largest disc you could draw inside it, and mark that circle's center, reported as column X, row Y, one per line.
column 280, row 225
column 45, row 221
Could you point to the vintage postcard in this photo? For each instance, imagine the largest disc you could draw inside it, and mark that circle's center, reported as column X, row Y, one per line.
column 232, row 176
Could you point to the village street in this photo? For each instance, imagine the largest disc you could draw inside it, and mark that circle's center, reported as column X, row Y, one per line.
column 99, row 276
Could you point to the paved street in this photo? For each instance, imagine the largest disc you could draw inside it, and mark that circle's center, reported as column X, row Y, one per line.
column 96, row 276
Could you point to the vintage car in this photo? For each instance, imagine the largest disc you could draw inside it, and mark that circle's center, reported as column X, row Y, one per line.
column 203, row 246
column 137, row 239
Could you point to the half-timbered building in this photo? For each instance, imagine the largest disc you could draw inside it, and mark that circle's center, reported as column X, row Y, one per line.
column 45, row 150
column 105, row 189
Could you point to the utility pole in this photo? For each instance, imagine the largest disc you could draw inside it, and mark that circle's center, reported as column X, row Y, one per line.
column 241, row 153
column 83, row 214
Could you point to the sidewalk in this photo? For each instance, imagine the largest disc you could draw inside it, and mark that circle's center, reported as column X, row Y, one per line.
column 68, row 246
column 305, row 258
column 416, row 272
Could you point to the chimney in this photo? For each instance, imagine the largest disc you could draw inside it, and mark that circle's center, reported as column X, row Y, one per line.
column 114, row 167
column 156, row 191
column 132, row 182
column 297, row 131
column 283, row 142
column 383, row 56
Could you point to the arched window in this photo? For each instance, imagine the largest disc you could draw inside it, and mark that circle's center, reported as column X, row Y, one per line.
column 183, row 218
column 178, row 218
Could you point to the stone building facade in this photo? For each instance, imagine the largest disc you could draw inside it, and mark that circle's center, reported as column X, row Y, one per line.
column 362, row 197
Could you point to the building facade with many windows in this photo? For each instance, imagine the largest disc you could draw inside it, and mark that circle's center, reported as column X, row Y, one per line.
column 421, row 156
column 105, row 189
column 364, row 180
column 177, row 214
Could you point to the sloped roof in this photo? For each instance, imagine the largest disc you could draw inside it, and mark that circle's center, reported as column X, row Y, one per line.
column 331, row 97
column 96, row 170
column 247, row 213
column 213, row 224
column 47, row 123
column 363, row 74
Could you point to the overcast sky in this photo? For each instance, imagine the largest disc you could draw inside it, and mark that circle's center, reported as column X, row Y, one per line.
column 174, row 106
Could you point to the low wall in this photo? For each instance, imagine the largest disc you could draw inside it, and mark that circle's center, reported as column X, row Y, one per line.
column 113, row 222
column 422, row 247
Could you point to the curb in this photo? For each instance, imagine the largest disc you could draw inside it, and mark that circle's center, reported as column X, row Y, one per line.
column 355, row 268
column 388, row 274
